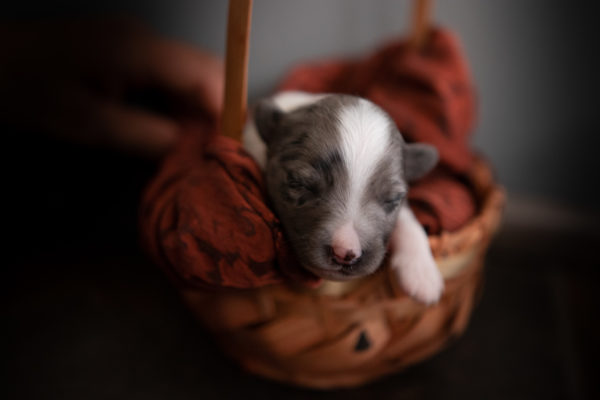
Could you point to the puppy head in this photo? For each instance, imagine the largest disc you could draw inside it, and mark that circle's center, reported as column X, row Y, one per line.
column 337, row 172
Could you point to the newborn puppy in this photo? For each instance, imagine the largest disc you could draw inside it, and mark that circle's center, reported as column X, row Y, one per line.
column 337, row 173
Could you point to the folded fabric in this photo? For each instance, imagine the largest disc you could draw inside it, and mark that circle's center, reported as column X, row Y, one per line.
column 205, row 216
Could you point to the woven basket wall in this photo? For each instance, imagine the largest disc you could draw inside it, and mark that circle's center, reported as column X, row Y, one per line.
column 346, row 334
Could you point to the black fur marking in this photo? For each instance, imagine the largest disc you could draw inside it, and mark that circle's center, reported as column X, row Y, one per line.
column 289, row 156
column 276, row 117
column 300, row 140
column 326, row 166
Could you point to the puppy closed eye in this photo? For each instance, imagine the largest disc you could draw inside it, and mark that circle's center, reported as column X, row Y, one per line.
column 392, row 201
column 300, row 187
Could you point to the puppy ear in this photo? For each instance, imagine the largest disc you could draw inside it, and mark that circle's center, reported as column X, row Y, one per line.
column 419, row 159
column 267, row 118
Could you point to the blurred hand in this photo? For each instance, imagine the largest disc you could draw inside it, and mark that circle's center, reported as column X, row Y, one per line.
column 88, row 82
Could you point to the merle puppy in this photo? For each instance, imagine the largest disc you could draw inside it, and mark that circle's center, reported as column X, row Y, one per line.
column 337, row 173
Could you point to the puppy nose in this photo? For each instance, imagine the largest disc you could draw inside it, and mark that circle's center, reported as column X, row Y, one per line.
column 345, row 256
column 345, row 245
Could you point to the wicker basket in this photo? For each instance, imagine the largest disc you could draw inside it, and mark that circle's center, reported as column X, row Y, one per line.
column 344, row 334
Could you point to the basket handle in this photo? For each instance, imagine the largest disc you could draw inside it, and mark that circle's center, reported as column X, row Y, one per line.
column 236, row 68
column 420, row 22
column 236, row 64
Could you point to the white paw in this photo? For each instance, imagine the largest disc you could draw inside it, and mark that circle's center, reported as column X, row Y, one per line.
column 419, row 277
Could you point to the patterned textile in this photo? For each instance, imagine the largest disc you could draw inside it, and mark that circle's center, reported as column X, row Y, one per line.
column 204, row 217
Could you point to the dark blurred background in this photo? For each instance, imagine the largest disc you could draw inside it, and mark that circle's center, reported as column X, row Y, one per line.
column 535, row 64
column 89, row 317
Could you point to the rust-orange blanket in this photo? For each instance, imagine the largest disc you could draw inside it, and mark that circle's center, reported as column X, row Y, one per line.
column 204, row 217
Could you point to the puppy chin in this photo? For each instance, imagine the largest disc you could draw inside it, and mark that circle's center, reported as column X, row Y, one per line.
column 340, row 273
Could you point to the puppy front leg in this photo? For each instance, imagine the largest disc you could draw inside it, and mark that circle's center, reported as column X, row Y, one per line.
column 412, row 261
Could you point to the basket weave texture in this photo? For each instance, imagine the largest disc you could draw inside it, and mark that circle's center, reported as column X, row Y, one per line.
column 346, row 334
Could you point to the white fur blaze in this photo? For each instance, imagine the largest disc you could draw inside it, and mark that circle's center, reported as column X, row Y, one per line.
column 291, row 100
column 412, row 261
column 364, row 138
